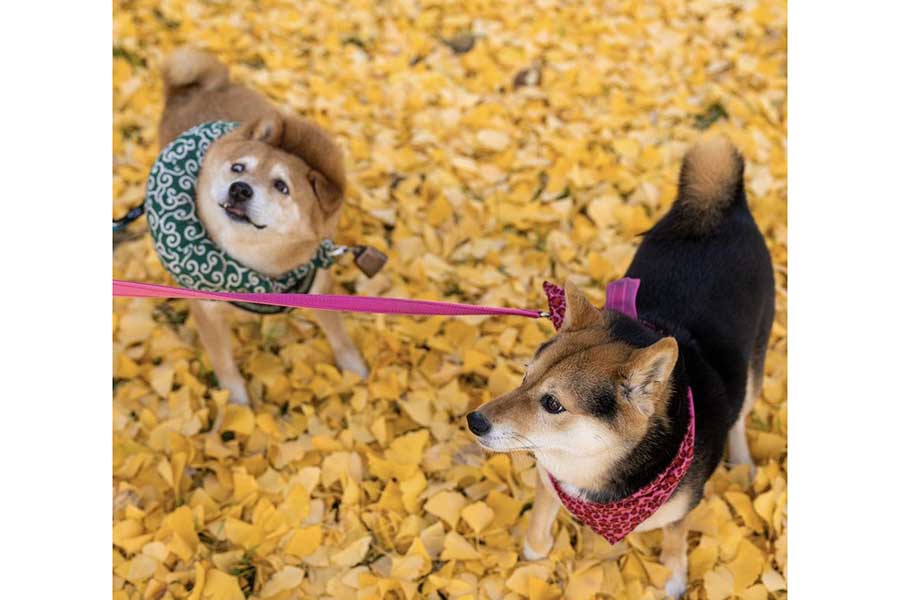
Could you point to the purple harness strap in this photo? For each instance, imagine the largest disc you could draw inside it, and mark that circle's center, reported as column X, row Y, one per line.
column 621, row 296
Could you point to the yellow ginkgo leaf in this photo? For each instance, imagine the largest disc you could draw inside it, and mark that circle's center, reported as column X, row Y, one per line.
column 773, row 580
column 744, row 507
column 756, row 592
column 506, row 509
column 457, row 548
column 141, row 567
column 518, row 581
column 181, row 522
column 287, row 578
column 492, row 140
column 477, row 516
column 747, row 565
column 409, row 567
column 238, row 419
column 540, row 589
column 584, row 582
column 305, row 541
column 353, row 553
column 447, row 506
column 199, row 581
column 242, row 533
column 161, row 379
column 221, row 586
column 719, row 584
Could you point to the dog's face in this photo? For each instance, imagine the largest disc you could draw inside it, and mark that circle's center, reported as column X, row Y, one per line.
column 585, row 395
column 270, row 191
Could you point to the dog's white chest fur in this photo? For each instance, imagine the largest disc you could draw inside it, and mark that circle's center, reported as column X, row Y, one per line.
column 674, row 509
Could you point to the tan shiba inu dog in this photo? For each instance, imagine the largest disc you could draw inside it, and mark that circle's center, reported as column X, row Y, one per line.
column 268, row 193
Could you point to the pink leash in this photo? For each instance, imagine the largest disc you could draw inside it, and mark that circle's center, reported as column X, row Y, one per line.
column 364, row 304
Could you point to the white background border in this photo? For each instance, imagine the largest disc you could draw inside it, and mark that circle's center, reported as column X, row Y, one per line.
column 843, row 240
column 843, row 323
column 56, row 164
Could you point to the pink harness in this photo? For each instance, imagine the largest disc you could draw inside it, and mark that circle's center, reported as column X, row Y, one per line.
column 615, row 520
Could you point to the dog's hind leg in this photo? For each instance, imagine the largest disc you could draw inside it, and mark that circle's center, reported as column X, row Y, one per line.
column 212, row 326
column 738, row 449
column 674, row 557
column 539, row 539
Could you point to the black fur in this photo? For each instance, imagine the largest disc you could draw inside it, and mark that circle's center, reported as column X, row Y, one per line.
column 657, row 450
column 601, row 402
column 713, row 290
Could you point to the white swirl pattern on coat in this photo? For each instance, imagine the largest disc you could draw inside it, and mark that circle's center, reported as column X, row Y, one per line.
column 181, row 240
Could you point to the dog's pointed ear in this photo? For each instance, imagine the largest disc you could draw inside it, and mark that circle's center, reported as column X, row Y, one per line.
column 648, row 369
column 268, row 129
column 580, row 313
column 310, row 142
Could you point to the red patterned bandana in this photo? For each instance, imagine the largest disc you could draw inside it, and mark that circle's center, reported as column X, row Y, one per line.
column 615, row 520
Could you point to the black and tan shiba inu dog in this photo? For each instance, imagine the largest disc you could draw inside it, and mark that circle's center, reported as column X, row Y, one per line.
column 603, row 405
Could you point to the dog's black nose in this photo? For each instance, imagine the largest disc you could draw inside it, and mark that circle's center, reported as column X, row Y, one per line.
column 240, row 192
column 478, row 423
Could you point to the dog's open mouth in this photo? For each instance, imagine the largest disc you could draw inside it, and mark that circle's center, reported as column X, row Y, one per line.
column 237, row 213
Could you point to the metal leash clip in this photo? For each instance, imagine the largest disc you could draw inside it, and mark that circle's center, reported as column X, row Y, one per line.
column 366, row 258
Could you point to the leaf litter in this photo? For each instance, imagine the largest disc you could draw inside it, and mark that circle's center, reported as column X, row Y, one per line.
column 489, row 147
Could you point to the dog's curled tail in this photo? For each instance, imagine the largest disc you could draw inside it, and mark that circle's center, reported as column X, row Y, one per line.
column 190, row 69
column 711, row 182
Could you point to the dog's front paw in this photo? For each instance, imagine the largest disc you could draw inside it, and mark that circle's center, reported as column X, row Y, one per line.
column 537, row 551
column 237, row 391
column 751, row 470
column 351, row 360
column 676, row 586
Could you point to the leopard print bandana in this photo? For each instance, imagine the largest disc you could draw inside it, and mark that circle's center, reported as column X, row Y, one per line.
column 615, row 520
column 181, row 241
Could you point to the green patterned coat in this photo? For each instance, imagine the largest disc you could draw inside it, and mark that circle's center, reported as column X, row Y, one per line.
column 181, row 240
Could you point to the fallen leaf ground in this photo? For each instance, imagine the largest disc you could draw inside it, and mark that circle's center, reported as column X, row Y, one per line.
column 491, row 146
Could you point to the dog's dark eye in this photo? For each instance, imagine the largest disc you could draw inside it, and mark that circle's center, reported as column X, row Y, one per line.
column 281, row 186
column 237, row 167
column 551, row 404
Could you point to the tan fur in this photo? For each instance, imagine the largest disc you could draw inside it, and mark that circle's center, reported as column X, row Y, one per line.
column 674, row 556
column 738, row 450
column 198, row 90
column 308, row 141
column 346, row 355
column 709, row 174
column 296, row 223
column 215, row 335
column 675, row 509
column 566, row 444
column 539, row 539
column 653, row 364
column 188, row 66
column 285, row 228
column 580, row 312
column 576, row 447
column 710, row 168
